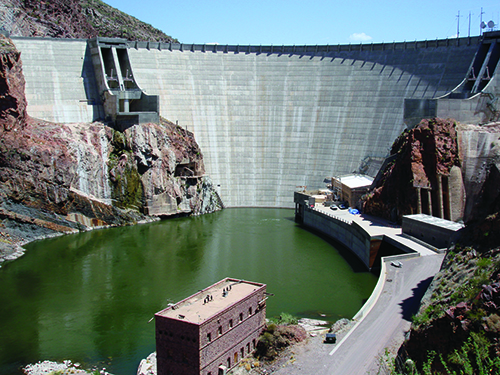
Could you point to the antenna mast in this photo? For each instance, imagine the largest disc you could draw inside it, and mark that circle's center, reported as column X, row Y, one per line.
column 458, row 24
column 481, row 23
column 469, row 24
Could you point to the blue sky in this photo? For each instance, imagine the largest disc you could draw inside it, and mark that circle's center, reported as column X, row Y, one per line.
column 278, row 22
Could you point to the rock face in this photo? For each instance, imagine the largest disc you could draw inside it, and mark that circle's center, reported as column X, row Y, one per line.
column 479, row 148
column 461, row 306
column 64, row 177
column 467, row 157
column 12, row 84
column 419, row 156
column 460, row 310
column 74, row 19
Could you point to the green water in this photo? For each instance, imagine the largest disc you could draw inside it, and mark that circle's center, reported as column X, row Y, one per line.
column 88, row 297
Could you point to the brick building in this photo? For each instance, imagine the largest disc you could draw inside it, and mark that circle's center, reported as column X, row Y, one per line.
column 212, row 330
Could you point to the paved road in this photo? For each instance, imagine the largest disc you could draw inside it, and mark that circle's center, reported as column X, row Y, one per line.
column 383, row 327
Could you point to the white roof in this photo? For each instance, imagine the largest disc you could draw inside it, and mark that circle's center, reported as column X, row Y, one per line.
column 451, row 225
column 356, row 180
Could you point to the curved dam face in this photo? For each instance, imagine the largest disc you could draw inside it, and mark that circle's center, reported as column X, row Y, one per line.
column 271, row 119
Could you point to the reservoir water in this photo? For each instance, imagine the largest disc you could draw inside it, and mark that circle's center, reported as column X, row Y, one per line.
column 89, row 297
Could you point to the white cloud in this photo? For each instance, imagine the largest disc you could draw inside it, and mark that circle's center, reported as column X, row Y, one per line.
column 360, row 37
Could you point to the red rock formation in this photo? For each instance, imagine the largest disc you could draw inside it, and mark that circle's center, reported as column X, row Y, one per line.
column 58, row 19
column 75, row 19
column 421, row 154
column 12, row 99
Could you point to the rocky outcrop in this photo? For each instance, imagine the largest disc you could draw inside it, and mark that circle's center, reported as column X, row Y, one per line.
column 67, row 177
column 459, row 312
column 420, row 155
column 159, row 167
column 74, row 19
column 12, row 84
column 467, row 157
column 460, row 309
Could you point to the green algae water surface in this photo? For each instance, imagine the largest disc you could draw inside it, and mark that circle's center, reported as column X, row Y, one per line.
column 90, row 297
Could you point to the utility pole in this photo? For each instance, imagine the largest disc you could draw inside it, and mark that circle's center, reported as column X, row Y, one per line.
column 458, row 24
column 469, row 24
column 481, row 23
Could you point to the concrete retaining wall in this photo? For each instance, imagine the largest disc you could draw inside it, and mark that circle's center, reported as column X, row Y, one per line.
column 350, row 234
column 267, row 119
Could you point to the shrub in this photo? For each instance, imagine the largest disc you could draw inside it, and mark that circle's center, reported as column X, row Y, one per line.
column 284, row 319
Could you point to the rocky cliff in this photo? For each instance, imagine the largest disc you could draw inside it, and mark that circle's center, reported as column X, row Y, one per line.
column 466, row 157
column 74, row 19
column 418, row 157
column 458, row 325
column 68, row 177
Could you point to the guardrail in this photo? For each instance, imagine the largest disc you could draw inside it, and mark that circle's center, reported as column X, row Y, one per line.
column 306, row 49
column 332, row 215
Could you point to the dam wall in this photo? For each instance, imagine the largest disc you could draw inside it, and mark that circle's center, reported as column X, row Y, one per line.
column 60, row 80
column 267, row 119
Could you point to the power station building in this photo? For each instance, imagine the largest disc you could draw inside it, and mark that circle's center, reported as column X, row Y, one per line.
column 212, row 330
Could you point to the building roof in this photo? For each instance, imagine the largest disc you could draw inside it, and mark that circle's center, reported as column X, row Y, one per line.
column 356, row 180
column 436, row 221
column 201, row 306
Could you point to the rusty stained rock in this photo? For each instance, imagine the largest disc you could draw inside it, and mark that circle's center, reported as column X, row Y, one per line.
column 422, row 153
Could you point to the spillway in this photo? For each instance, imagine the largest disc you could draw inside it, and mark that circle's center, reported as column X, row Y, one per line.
column 268, row 119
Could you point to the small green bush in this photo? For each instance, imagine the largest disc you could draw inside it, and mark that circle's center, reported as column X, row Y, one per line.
column 284, row 319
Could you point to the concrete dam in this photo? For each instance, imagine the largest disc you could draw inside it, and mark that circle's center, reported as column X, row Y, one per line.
column 267, row 118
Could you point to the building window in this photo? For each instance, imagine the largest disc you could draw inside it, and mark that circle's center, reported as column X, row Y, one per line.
column 219, row 331
column 209, row 337
column 248, row 348
column 230, row 323
column 228, row 362
column 253, row 344
column 241, row 317
column 242, row 351
column 249, row 311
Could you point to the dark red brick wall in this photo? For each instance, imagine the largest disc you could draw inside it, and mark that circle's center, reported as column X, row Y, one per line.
column 232, row 340
column 177, row 347
column 183, row 349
